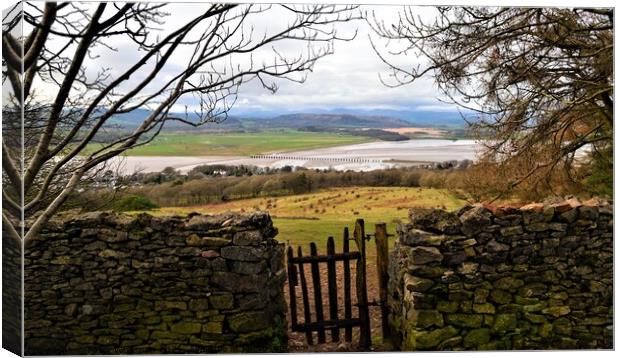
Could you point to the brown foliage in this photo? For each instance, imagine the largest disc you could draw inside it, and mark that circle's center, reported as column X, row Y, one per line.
column 540, row 80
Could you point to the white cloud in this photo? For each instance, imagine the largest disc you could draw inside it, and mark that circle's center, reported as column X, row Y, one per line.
column 347, row 78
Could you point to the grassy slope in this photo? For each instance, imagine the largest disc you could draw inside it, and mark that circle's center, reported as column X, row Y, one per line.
column 292, row 215
column 200, row 144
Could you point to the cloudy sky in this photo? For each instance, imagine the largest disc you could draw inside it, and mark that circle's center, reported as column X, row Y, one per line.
column 348, row 78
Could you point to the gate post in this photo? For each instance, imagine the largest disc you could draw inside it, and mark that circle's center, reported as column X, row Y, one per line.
column 362, row 295
column 381, row 241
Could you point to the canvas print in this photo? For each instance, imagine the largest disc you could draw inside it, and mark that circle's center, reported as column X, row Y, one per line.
column 201, row 178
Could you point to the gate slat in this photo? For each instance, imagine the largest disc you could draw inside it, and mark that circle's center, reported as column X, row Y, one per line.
column 333, row 289
column 324, row 258
column 348, row 332
column 304, row 294
column 318, row 297
column 292, row 282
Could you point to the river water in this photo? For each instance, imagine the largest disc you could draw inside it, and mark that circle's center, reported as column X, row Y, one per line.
column 358, row 157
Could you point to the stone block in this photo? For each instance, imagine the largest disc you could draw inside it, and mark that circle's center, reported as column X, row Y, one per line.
column 241, row 253
column 417, row 284
column 170, row 305
column 424, row 318
column 511, row 230
column 421, row 255
column 505, row 322
column 245, row 238
column 248, row 321
column 494, row 246
column 485, row 308
column 248, row 268
column 238, row 283
column 186, row 327
column 207, row 241
column 210, row 254
column 480, row 295
column 222, row 300
column 476, row 337
column 415, row 237
column 500, row 296
column 475, row 220
column 198, row 304
column 535, row 318
column 447, row 306
column 464, row 320
column 435, row 221
column 428, row 340
column 508, row 283
column 557, row 311
column 535, row 289
column 213, row 327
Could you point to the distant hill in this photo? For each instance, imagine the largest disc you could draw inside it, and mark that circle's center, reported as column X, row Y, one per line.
column 330, row 119
column 133, row 118
column 414, row 117
column 299, row 120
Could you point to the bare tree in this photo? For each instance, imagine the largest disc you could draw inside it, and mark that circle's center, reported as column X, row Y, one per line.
column 68, row 103
column 541, row 79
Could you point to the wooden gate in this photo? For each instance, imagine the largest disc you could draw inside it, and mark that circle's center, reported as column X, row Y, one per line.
column 334, row 322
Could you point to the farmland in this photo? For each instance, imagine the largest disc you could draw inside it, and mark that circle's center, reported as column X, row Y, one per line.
column 238, row 143
column 304, row 218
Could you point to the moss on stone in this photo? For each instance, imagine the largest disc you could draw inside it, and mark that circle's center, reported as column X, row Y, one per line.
column 427, row 340
column 505, row 322
column 476, row 337
column 464, row 320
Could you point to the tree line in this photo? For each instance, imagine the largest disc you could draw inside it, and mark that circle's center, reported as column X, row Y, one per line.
column 219, row 183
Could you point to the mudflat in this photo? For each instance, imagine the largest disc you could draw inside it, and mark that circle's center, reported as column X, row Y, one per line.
column 358, row 157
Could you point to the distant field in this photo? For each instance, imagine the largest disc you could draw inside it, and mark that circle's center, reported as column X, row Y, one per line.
column 302, row 219
column 214, row 144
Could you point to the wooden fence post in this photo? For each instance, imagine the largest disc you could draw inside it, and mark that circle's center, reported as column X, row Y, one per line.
column 348, row 332
column 381, row 241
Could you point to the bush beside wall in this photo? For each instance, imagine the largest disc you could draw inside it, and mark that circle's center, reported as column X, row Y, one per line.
column 103, row 283
column 494, row 278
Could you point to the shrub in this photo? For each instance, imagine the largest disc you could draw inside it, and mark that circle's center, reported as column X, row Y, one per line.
column 134, row 202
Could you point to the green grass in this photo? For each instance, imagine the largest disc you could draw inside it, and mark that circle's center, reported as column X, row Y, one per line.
column 299, row 223
column 242, row 144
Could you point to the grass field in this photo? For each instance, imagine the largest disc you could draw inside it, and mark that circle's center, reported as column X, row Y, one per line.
column 202, row 144
column 302, row 219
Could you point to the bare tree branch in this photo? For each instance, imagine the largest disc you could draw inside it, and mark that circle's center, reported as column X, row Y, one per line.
column 64, row 40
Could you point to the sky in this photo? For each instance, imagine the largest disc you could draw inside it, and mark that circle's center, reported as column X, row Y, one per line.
column 348, row 78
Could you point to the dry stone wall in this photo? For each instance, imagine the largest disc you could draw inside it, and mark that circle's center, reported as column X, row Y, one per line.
column 494, row 278
column 11, row 292
column 104, row 283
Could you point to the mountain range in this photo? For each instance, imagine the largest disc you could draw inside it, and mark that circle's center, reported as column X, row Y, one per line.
column 335, row 118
